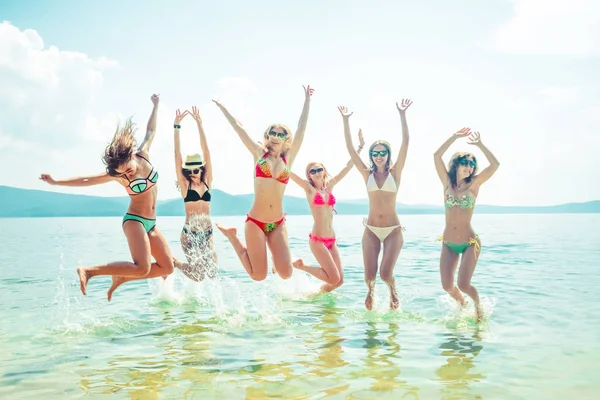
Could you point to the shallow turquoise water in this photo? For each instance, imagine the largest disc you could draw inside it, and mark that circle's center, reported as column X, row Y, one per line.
column 233, row 338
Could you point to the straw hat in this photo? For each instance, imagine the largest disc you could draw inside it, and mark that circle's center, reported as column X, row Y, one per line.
column 193, row 161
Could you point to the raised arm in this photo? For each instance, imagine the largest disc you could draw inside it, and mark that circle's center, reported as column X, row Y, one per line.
column 203, row 145
column 303, row 183
column 437, row 156
column 399, row 164
column 151, row 127
column 299, row 135
column 487, row 173
column 354, row 156
column 177, row 146
column 336, row 179
column 250, row 144
column 79, row 181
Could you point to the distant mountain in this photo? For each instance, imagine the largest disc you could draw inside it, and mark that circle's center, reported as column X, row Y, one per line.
column 16, row 202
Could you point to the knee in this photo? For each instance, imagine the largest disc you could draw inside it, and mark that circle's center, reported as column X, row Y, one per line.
column 386, row 275
column 464, row 285
column 142, row 269
column 340, row 282
column 169, row 267
column 285, row 273
column 259, row 276
column 448, row 286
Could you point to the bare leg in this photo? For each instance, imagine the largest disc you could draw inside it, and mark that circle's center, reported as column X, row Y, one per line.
column 338, row 264
column 465, row 273
column 328, row 270
column 280, row 251
column 371, row 246
column 253, row 257
column 448, row 264
column 391, row 250
column 159, row 249
column 139, row 246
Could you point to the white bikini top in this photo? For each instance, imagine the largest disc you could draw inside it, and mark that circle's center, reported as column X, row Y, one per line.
column 389, row 185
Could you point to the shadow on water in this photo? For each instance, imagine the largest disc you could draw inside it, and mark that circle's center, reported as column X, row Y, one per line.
column 458, row 374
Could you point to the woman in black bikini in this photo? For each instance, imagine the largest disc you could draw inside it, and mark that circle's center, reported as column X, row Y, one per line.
column 131, row 168
column 194, row 178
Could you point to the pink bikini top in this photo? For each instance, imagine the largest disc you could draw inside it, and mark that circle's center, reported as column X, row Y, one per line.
column 319, row 201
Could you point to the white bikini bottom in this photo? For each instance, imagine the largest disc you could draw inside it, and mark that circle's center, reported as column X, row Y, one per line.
column 382, row 232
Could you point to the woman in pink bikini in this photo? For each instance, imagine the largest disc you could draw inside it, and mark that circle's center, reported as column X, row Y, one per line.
column 265, row 222
column 319, row 194
column 382, row 226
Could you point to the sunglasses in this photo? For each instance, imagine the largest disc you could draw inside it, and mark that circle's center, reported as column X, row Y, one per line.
column 464, row 162
column 280, row 135
column 194, row 171
column 381, row 153
column 315, row 171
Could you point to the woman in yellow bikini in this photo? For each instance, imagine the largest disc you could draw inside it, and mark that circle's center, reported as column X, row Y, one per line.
column 382, row 225
column 265, row 222
column 131, row 168
column 461, row 184
column 319, row 194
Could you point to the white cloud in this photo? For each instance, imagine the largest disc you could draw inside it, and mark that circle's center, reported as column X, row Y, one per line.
column 46, row 93
column 550, row 27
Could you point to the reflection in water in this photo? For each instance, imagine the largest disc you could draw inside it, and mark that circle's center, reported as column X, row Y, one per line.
column 382, row 363
column 456, row 375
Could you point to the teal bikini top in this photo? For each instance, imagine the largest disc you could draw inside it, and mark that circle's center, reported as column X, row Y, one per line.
column 465, row 201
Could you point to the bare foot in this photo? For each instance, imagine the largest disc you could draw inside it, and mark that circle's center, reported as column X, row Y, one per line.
column 116, row 282
column 84, row 276
column 394, row 300
column 478, row 312
column 299, row 264
column 369, row 300
column 228, row 232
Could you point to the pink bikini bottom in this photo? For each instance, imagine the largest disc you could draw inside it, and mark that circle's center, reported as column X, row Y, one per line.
column 327, row 241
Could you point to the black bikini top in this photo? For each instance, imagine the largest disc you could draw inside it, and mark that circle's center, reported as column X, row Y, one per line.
column 192, row 195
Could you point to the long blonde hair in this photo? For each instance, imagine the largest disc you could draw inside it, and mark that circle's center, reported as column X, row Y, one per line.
column 287, row 143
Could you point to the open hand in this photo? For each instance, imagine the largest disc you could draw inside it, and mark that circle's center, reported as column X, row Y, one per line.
column 195, row 114
column 155, row 99
column 404, row 104
column 475, row 139
column 179, row 116
column 464, row 132
column 344, row 111
column 361, row 139
column 48, row 179
column 308, row 91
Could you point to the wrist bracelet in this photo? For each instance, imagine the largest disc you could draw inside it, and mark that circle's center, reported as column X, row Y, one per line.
column 177, row 126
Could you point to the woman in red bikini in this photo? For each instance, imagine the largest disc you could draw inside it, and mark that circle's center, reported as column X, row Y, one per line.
column 130, row 166
column 265, row 222
column 319, row 194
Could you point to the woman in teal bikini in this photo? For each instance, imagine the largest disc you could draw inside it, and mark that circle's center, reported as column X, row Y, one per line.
column 461, row 186
column 131, row 168
column 319, row 194
column 265, row 222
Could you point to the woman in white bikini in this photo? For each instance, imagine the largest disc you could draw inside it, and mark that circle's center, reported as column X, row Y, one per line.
column 461, row 184
column 382, row 225
column 319, row 194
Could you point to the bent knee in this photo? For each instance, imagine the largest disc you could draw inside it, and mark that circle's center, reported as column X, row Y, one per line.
column 285, row 273
column 141, row 269
column 448, row 286
column 259, row 276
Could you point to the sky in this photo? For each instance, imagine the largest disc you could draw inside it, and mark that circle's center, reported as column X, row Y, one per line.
column 524, row 73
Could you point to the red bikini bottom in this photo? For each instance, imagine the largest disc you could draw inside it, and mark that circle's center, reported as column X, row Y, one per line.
column 267, row 227
column 327, row 241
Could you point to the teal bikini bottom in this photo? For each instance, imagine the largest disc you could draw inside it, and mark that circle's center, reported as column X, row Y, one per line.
column 460, row 248
column 148, row 223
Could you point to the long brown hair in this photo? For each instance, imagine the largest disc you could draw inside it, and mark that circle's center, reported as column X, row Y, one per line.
column 121, row 148
column 387, row 146
column 453, row 166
